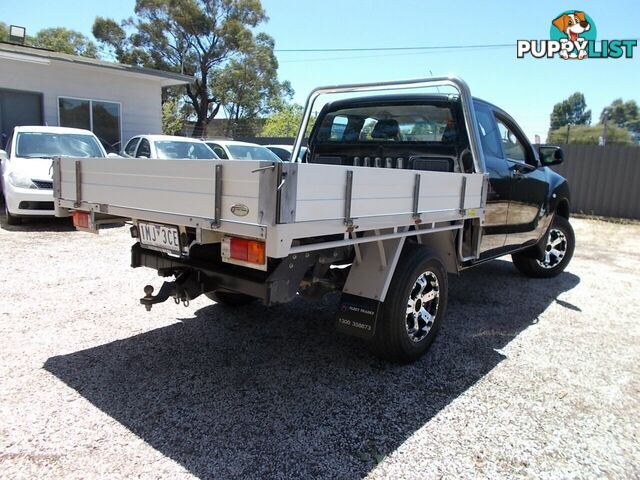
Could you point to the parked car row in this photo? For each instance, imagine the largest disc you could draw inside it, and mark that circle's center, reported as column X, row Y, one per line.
column 25, row 165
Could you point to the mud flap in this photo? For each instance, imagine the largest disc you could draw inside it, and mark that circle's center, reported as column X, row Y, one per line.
column 357, row 316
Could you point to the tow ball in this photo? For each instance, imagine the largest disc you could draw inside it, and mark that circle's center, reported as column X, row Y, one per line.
column 168, row 289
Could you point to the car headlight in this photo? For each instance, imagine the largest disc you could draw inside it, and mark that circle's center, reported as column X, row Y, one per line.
column 20, row 181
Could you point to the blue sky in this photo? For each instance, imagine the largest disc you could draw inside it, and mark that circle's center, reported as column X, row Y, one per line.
column 527, row 88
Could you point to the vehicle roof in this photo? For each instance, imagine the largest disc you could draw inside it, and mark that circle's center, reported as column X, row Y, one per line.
column 286, row 147
column 398, row 97
column 172, row 138
column 44, row 128
column 232, row 142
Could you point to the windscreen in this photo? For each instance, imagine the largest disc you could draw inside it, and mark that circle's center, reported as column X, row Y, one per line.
column 389, row 123
column 48, row 145
column 252, row 152
column 168, row 149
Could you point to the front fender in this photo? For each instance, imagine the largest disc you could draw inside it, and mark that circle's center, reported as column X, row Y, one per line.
column 559, row 201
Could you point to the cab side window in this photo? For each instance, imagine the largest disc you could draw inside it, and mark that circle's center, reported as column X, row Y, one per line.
column 489, row 133
column 144, row 149
column 511, row 145
column 218, row 150
column 130, row 149
column 7, row 147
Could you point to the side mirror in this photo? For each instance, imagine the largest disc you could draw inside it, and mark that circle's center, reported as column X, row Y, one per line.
column 550, row 155
column 3, row 155
column 113, row 155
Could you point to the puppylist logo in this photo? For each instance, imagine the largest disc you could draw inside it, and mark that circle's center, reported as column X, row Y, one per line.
column 573, row 37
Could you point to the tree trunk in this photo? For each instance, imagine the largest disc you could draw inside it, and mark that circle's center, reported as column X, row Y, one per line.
column 199, row 128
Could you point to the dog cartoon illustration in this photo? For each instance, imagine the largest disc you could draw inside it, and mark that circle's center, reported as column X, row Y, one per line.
column 573, row 25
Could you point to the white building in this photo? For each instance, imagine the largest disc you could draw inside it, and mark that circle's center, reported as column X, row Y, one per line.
column 116, row 102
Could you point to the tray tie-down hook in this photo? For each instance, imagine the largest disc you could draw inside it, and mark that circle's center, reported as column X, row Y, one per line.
column 283, row 175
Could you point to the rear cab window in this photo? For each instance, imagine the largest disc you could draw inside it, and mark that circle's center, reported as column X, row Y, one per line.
column 390, row 123
column 407, row 132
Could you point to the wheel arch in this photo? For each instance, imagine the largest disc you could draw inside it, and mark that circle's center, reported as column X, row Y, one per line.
column 562, row 208
column 443, row 245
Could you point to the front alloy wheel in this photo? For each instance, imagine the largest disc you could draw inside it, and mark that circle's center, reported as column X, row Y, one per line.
column 555, row 250
column 556, row 255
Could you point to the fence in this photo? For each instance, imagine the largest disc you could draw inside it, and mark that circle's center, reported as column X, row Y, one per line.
column 603, row 180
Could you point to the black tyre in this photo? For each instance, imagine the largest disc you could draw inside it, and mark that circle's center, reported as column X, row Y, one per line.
column 10, row 219
column 230, row 299
column 414, row 307
column 561, row 242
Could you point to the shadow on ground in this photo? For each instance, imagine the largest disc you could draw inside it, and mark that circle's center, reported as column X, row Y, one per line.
column 37, row 224
column 267, row 393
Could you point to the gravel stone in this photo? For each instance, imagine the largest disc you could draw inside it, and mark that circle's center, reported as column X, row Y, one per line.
column 528, row 378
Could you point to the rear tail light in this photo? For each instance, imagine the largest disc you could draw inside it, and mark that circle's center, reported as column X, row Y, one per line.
column 243, row 251
column 80, row 219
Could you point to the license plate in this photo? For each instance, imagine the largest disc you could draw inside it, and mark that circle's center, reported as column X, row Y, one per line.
column 163, row 237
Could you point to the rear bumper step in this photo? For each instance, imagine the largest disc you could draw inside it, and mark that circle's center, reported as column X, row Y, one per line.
column 194, row 277
column 205, row 277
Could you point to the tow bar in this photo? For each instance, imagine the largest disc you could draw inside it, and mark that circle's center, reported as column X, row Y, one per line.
column 183, row 289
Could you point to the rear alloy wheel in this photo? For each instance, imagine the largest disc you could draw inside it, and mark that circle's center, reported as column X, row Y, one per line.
column 230, row 299
column 414, row 307
column 422, row 306
column 557, row 252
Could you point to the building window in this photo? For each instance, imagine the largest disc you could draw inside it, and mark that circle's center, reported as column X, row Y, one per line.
column 102, row 118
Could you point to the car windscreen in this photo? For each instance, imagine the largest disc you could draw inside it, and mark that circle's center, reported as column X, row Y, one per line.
column 48, row 144
column 169, row 149
column 252, row 152
column 389, row 123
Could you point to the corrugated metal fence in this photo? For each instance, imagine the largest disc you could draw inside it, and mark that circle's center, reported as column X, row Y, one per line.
column 603, row 180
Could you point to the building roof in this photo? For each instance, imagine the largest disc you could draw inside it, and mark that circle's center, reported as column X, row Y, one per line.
column 40, row 55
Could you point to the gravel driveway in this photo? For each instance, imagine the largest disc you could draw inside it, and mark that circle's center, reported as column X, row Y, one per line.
column 528, row 378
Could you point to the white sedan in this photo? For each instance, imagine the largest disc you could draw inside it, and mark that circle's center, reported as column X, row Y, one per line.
column 167, row 147
column 285, row 151
column 27, row 183
column 234, row 150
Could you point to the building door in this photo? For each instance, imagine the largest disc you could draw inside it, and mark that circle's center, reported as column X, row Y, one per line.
column 18, row 108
